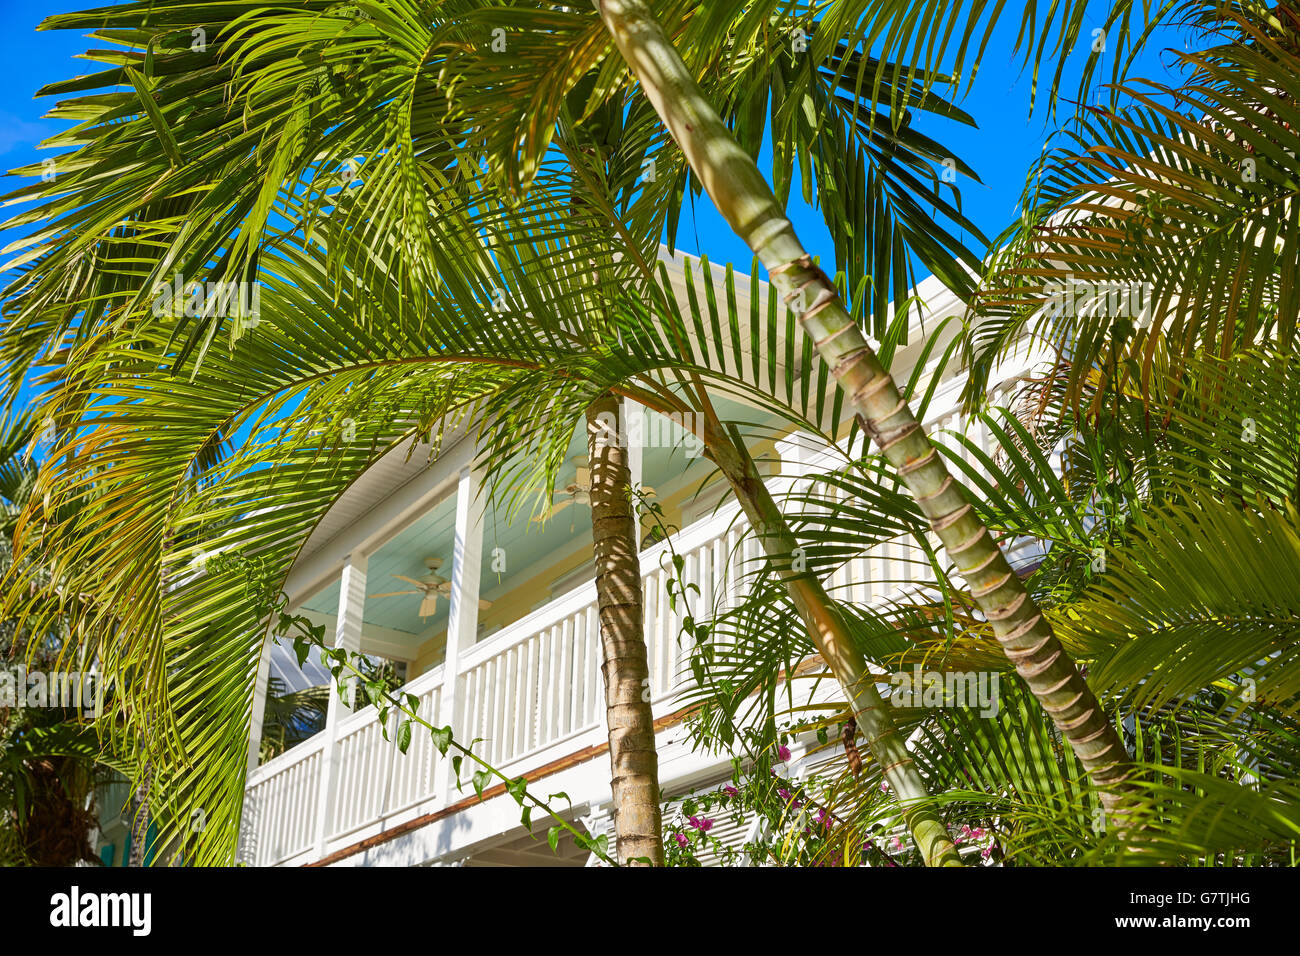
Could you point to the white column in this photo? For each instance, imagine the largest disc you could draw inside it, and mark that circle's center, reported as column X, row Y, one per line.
column 347, row 635
column 462, row 611
column 797, row 452
column 794, row 450
column 347, row 632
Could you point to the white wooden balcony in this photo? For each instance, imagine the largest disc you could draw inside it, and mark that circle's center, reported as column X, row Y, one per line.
column 531, row 694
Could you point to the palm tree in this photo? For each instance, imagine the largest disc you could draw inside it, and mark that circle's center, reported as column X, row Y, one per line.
column 50, row 756
column 747, row 202
column 622, row 627
column 1181, row 471
column 1170, row 414
column 338, row 78
column 1153, row 209
column 151, row 95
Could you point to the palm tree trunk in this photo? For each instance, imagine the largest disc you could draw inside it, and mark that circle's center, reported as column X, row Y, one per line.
column 742, row 195
column 833, row 641
column 633, row 761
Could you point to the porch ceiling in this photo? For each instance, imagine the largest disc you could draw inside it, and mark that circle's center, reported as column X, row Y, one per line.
column 670, row 465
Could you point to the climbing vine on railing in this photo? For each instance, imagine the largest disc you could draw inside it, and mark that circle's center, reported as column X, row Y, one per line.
column 353, row 670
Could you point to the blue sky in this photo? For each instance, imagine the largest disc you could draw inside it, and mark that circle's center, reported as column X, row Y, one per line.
column 1000, row 150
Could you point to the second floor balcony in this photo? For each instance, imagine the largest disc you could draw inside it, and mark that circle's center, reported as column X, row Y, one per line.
column 492, row 624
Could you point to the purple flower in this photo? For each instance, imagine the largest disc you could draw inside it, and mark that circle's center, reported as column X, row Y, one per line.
column 824, row 819
column 681, row 839
column 884, row 786
column 783, row 753
column 703, row 824
column 731, row 791
column 896, row 843
column 986, row 851
column 784, row 794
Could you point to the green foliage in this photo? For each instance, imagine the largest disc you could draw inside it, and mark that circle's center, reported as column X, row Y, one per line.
column 426, row 217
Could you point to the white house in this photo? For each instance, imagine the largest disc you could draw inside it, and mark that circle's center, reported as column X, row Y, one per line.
column 506, row 649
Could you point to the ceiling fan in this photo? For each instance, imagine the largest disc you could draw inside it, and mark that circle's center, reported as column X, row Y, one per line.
column 579, row 490
column 431, row 586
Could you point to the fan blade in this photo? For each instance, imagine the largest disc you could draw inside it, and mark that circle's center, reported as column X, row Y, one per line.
column 394, row 593
column 484, row 605
column 429, row 605
column 403, row 577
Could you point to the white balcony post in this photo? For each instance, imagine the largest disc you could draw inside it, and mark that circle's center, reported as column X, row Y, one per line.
column 794, row 450
column 347, row 635
column 462, row 609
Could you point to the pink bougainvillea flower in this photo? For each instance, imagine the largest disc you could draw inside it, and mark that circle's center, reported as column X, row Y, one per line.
column 703, row 824
column 783, row 793
column 884, row 786
column 977, row 833
column 986, row 851
column 896, row 843
column 783, row 753
column 824, row 819
column 681, row 839
column 731, row 791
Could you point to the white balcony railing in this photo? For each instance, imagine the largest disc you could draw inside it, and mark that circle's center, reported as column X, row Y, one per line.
column 531, row 693
column 531, row 690
column 280, row 805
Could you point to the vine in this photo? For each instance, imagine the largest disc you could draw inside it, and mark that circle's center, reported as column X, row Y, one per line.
column 376, row 690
